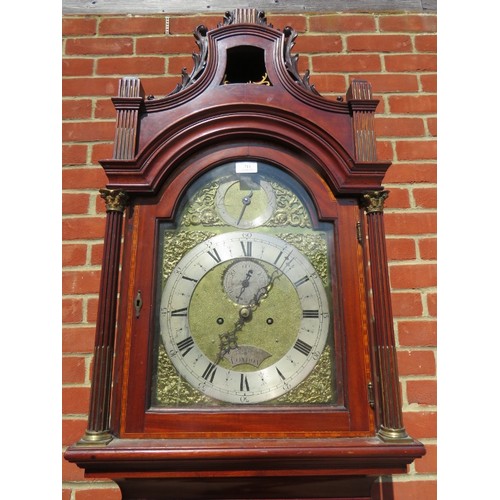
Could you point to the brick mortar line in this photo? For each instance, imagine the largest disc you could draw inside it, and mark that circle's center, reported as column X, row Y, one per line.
column 419, row 378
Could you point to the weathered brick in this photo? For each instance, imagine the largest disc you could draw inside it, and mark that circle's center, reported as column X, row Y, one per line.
column 79, row 26
column 78, row 339
column 74, row 109
column 280, row 21
column 420, row 425
column 413, row 104
column 96, row 46
column 75, row 203
column 77, row 67
column 86, row 177
column 74, row 255
column 88, row 131
column 425, row 197
column 166, row 45
column 80, row 282
column 400, row 249
column 411, row 172
column 390, row 82
column 417, row 362
column 432, row 304
column 429, row 82
column 83, row 228
column 399, row 127
column 415, row 490
column 428, row 248
column 336, row 23
column 329, row 83
column 90, row 86
column 181, row 25
column 74, row 154
column 398, row 198
column 413, row 276
column 421, row 392
column 418, row 23
column 426, row 43
column 131, row 66
column 379, row 43
column 72, row 311
column 346, row 63
column 432, row 125
column 417, row 333
column 75, row 400
column 73, row 370
column 132, row 25
column 318, row 43
column 405, row 304
column 416, row 150
column 72, row 430
column 101, row 152
column 411, row 62
column 96, row 254
column 410, row 223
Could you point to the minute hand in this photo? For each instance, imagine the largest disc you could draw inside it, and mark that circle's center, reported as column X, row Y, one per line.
column 246, row 201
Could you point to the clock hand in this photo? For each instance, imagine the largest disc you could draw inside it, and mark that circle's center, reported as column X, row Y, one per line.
column 246, row 201
column 229, row 340
column 245, row 283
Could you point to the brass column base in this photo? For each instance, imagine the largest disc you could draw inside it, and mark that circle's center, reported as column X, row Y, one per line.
column 393, row 435
column 92, row 438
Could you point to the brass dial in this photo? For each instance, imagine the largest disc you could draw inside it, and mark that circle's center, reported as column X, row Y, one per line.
column 245, row 203
column 256, row 347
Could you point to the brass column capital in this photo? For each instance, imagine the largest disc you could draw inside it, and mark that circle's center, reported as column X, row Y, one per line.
column 116, row 200
column 374, row 201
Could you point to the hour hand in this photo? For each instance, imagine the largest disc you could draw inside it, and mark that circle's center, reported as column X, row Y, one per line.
column 246, row 201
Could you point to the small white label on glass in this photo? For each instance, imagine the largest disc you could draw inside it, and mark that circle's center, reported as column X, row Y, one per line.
column 247, row 167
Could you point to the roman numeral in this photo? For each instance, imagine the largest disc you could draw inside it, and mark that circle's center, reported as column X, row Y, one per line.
column 189, row 279
column 244, row 383
column 277, row 258
column 215, row 255
column 185, row 345
column 247, row 248
column 301, row 281
column 179, row 312
column 280, row 374
column 310, row 313
column 302, row 347
column 209, row 372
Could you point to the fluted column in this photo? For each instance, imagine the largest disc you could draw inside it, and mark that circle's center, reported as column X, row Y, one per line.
column 391, row 418
column 98, row 431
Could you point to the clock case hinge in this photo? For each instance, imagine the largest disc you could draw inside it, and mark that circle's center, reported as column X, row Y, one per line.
column 359, row 232
column 371, row 395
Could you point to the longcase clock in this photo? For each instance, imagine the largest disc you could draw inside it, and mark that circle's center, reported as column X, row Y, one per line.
column 244, row 341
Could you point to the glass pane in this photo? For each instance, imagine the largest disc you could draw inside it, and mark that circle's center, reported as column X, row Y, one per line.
column 243, row 304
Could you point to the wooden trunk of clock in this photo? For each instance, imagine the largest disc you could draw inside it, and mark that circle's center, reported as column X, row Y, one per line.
column 253, row 349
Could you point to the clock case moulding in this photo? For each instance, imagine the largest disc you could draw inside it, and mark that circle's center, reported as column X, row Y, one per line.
column 244, row 100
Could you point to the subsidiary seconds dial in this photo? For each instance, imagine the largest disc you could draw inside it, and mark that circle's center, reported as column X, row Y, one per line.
column 244, row 317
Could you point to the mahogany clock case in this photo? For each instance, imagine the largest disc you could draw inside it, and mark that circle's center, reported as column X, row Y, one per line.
column 227, row 113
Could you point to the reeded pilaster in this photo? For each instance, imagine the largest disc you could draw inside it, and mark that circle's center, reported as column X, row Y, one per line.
column 390, row 414
column 98, row 431
column 127, row 104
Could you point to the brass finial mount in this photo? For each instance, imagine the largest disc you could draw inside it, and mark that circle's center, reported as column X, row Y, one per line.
column 116, row 200
column 374, row 201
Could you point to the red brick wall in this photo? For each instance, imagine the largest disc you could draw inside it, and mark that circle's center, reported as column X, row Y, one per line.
column 396, row 52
